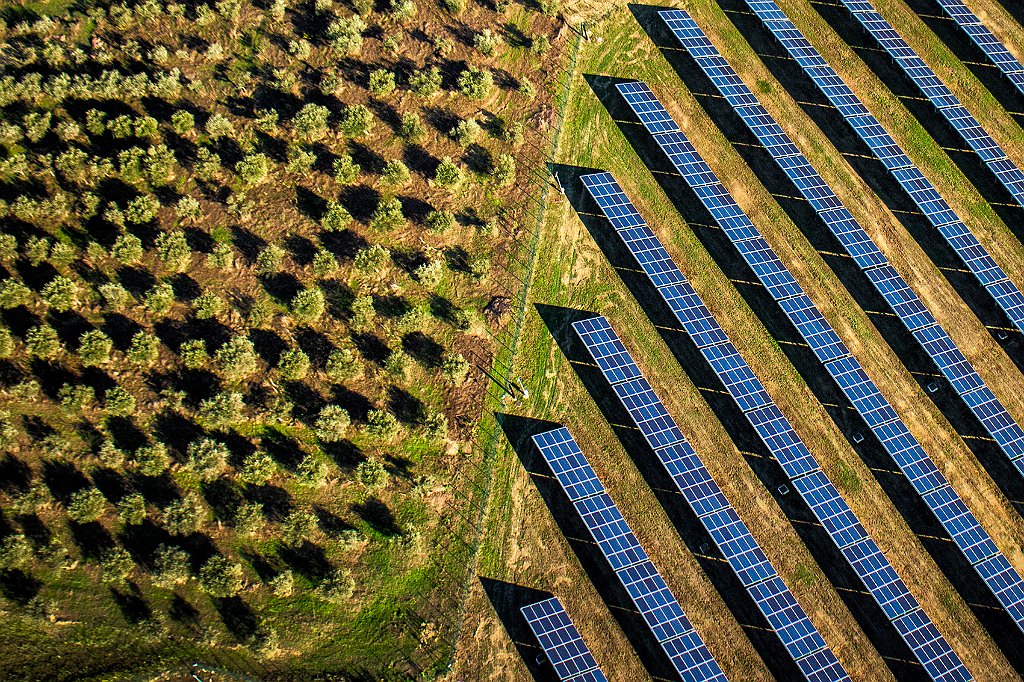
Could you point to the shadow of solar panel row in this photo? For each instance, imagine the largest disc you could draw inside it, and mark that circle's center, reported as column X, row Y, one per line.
column 828, row 506
column 935, row 209
column 562, row 643
column 646, row 588
column 953, row 365
column 979, row 34
column 773, row 598
column 968, row 535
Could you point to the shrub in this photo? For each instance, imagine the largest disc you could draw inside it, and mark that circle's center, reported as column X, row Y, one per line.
column 395, row 173
column 94, row 348
column 77, row 397
column 15, row 552
column 372, row 473
column 504, row 172
column 173, row 249
column 425, row 82
column 117, row 565
column 61, row 294
column 170, row 567
column 193, row 354
column 332, row 424
column 382, row 424
column 430, row 273
column 298, row 526
column 371, row 259
column 335, row 218
column 435, row 426
column 412, row 129
column 159, row 299
column 86, row 505
column 188, row 209
column 257, row 468
column 283, row 584
column 252, row 169
column 110, row 455
column 13, row 294
column 440, row 221
column 324, row 263
column 311, row 122
column 308, row 305
column 312, row 471
column 184, row 516
column 454, row 367
column 347, row 34
column 152, row 460
column 466, row 132
column 270, row 259
column 115, row 296
column 339, row 586
column 218, row 126
column 42, row 342
column 221, row 577
column 208, row 305
column 356, row 121
column 127, row 248
column 363, row 312
column 382, row 82
column 293, row 365
column 486, row 42
column 144, row 349
column 117, row 401
column 447, row 174
column 222, row 410
column 475, row 83
column 345, row 170
column 388, row 215
column 249, row 519
column 208, row 458
column 343, row 364
column 222, row 257
column 131, row 510
column 182, row 122
column 236, row 359
column 300, row 160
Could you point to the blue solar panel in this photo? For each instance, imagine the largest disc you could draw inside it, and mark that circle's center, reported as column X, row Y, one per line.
column 641, row 580
column 796, row 461
column 997, row 53
column 864, row 394
column 919, row 188
column 730, row 535
column 562, row 643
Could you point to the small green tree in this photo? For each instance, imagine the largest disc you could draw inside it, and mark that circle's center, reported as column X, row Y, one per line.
column 172, row 248
column 283, row 584
column 388, row 215
column 293, row 364
column 395, row 173
column 249, row 519
column 117, row 565
column 466, row 132
column 61, row 294
column 170, row 567
column 13, row 294
column 253, row 169
column 439, row 221
column 15, row 552
column 312, row 471
column 382, row 424
column 76, row 397
column 193, row 354
column 346, row 35
column 475, row 83
column 131, row 510
column 223, row 410
column 218, row 125
column 110, row 455
column 144, row 349
column 184, row 516
column 332, row 424
column 160, row 299
column 42, row 342
column 6, row 343
column 118, row 402
column 346, row 171
column 447, row 174
column 221, row 577
column 127, row 248
column 372, row 473
column 486, row 42
column 257, row 468
column 412, row 129
column 504, row 172
column 339, row 587
column 86, row 505
column 208, row 458
column 425, row 82
column 308, row 305
column 94, row 348
column 343, row 364
column 356, row 121
column 310, row 123
column 298, row 527
column 382, row 82
column 152, row 460
column 236, row 360
column 270, row 259
column 182, row 122
column 208, row 306
column 324, row 263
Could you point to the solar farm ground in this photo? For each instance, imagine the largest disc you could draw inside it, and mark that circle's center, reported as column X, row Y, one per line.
column 531, row 543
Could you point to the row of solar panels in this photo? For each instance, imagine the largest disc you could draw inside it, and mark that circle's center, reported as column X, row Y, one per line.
column 964, row 529
column 905, row 303
column 828, row 506
column 969, row 22
column 562, row 643
column 1008, row 174
column 921, row 191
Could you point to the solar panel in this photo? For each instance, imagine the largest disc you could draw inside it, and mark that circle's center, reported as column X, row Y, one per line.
column 869, row 402
column 628, row 560
column 562, row 643
column 788, row 449
column 730, row 535
column 997, row 53
column 918, row 187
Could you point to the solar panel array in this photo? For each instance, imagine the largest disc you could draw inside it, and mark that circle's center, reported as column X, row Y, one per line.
column 968, row 535
column 650, row 595
column 798, row 635
column 953, row 365
column 986, row 42
column 921, row 191
column 562, row 643
column 828, row 506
